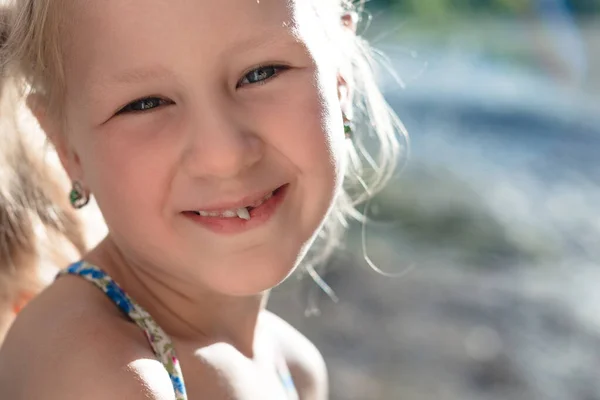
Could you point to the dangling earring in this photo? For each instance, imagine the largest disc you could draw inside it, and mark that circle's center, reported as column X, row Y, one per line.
column 348, row 126
column 79, row 197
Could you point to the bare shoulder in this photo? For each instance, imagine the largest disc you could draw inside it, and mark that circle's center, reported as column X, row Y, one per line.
column 62, row 348
column 306, row 363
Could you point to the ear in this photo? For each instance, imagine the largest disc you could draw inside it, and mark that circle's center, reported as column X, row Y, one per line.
column 349, row 22
column 52, row 125
column 344, row 95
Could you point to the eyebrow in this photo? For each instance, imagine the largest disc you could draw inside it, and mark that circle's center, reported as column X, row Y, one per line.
column 283, row 36
column 137, row 75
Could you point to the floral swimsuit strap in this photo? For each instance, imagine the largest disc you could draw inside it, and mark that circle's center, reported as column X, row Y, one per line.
column 159, row 341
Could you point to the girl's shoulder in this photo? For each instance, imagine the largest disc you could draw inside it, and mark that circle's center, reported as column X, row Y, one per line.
column 304, row 360
column 71, row 342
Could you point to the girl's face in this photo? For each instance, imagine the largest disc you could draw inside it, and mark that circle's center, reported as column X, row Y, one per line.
column 185, row 106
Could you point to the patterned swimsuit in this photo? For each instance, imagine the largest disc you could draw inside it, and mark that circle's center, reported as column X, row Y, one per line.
column 157, row 338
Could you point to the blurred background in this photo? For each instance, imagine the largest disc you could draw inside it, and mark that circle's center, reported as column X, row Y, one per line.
column 494, row 221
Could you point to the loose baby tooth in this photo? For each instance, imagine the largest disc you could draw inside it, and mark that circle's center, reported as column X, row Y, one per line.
column 243, row 213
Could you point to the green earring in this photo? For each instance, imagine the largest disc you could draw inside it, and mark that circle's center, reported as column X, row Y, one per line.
column 348, row 127
column 78, row 197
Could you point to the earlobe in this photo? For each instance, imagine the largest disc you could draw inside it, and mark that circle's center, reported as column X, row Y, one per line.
column 342, row 88
column 344, row 96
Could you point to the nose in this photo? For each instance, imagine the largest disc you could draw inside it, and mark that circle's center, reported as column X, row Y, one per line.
column 220, row 145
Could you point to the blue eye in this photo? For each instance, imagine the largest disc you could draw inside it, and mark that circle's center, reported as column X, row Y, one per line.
column 260, row 75
column 145, row 104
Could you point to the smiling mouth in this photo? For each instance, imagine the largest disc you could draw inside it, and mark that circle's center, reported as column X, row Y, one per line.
column 242, row 212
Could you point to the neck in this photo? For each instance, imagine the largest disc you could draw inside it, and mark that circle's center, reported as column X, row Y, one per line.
column 184, row 310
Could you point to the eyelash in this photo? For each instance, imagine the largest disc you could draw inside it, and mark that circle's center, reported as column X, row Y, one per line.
column 276, row 70
column 158, row 101
column 131, row 109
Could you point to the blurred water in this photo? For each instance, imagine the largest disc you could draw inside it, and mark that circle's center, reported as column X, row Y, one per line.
column 497, row 212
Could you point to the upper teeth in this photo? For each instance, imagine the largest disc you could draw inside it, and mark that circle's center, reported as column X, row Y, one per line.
column 242, row 213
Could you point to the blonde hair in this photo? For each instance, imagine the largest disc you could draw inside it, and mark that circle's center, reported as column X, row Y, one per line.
column 33, row 48
column 375, row 149
column 32, row 53
column 35, row 216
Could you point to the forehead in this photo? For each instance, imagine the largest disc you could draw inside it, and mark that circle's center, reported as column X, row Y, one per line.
column 99, row 35
column 203, row 13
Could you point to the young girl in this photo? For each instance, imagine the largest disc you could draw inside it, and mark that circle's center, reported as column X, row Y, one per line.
column 214, row 137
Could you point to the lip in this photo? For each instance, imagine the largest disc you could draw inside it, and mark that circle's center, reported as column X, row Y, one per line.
column 230, row 226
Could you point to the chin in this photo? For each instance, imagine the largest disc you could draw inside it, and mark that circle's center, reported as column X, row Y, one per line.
column 253, row 277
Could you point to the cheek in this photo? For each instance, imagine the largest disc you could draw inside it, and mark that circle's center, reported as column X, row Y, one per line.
column 305, row 126
column 128, row 174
